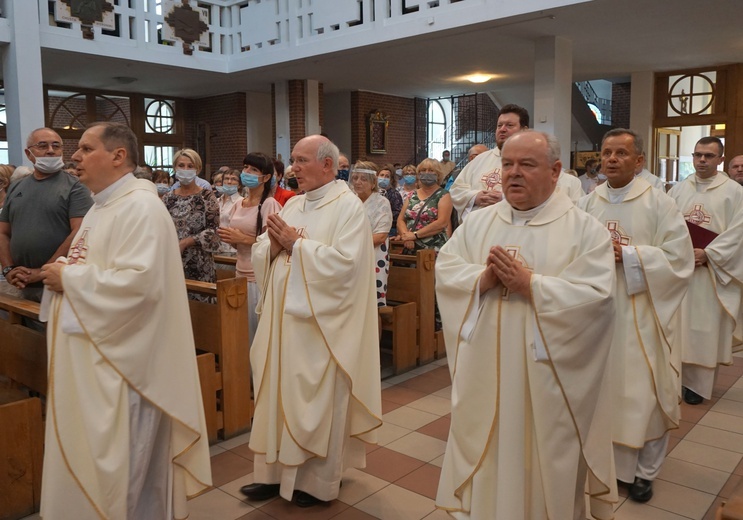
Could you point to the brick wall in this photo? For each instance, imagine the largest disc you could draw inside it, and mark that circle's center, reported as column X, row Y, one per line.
column 400, row 132
column 297, row 129
column 226, row 117
column 620, row 104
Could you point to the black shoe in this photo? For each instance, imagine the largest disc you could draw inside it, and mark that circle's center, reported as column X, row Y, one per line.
column 641, row 490
column 260, row 491
column 691, row 397
column 303, row 499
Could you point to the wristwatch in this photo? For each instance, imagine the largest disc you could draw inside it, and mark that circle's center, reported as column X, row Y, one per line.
column 8, row 269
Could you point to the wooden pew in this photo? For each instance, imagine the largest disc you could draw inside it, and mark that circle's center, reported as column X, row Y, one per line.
column 22, row 366
column 411, row 280
column 225, row 264
column 221, row 337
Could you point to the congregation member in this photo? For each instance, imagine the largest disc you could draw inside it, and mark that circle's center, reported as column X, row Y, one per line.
column 408, row 182
column 125, row 430
column 592, row 177
column 447, row 166
column 229, row 194
column 531, row 417
column 344, row 167
column 247, row 219
column 217, row 180
column 278, row 191
column 654, row 264
column 379, row 213
column 387, row 182
column 195, row 213
column 192, row 176
column 425, row 215
column 315, row 357
column 291, row 181
column 736, row 169
column 6, row 171
column 479, row 183
column 40, row 215
column 710, row 202
column 162, row 180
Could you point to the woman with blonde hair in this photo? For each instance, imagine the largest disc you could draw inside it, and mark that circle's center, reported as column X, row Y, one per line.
column 195, row 213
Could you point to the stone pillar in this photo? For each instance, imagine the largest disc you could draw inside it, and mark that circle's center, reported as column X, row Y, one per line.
column 553, row 81
column 24, row 89
column 312, row 107
column 282, row 120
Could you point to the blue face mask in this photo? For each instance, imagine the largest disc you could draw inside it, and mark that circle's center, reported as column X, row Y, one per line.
column 409, row 179
column 162, row 188
column 227, row 189
column 250, row 180
column 383, row 182
column 273, row 182
column 343, row 175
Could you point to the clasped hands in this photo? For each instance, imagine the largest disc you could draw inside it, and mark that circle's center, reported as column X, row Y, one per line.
column 502, row 267
column 22, row 276
column 281, row 235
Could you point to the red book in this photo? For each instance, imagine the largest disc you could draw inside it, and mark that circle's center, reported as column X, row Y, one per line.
column 700, row 237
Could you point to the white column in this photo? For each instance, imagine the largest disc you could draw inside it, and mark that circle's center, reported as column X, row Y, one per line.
column 312, row 107
column 283, row 144
column 641, row 111
column 553, row 80
column 24, row 91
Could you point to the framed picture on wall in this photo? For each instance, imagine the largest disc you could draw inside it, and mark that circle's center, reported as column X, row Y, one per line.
column 377, row 135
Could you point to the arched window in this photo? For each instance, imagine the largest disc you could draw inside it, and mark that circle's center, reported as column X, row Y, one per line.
column 437, row 141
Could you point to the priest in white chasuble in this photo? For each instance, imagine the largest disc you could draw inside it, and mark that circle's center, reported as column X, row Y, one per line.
column 654, row 264
column 528, row 285
column 125, row 430
column 711, row 311
column 315, row 357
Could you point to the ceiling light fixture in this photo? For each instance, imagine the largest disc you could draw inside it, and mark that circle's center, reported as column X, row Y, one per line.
column 479, row 78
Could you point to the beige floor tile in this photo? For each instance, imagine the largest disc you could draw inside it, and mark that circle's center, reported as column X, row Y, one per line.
column 680, row 500
column 723, row 421
column 425, row 368
column 693, row 475
column 390, row 432
column 433, row 404
column 715, row 437
column 438, row 461
column 739, row 383
column 235, row 441
column 708, row 456
column 444, row 392
column 396, row 503
column 419, row 446
column 399, row 379
column 409, row 418
column 358, row 485
column 445, row 361
column 217, row 504
column 438, row 514
column 215, row 450
column 385, row 384
column 734, row 394
column 630, row 510
column 729, row 407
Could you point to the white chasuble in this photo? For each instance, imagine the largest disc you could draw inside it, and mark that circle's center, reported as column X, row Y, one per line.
column 126, row 354
column 711, row 311
column 530, row 407
column 646, row 349
column 318, row 322
column 483, row 173
column 570, row 186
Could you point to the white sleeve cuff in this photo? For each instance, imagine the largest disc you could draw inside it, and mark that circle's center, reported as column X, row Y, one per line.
column 633, row 273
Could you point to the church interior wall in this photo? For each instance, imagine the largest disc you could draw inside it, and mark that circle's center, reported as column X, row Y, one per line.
column 338, row 119
column 400, row 112
column 621, row 94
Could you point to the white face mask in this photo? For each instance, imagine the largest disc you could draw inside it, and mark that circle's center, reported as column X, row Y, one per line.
column 185, row 176
column 49, row 165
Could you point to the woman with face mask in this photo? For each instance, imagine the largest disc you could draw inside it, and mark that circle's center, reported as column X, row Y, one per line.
column 387, row 182
column 195, row 212
column 291, row 181
column 229, row 193
column 248, row 219
column 408, row 182
column 425, row 216
column 163, row 181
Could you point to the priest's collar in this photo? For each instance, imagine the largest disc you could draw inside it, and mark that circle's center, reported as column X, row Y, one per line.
column 617, row 195
column 102, row 196
column 320, row 192
column 707, row 180
column 522, row 218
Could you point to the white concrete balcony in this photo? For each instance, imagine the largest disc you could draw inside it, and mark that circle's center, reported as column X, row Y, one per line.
column 246, row 34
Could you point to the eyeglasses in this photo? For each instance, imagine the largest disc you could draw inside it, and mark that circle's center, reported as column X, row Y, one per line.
column 708, row 156
column 43, row 145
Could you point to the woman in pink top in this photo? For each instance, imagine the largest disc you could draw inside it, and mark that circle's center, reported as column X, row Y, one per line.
column 248, row 219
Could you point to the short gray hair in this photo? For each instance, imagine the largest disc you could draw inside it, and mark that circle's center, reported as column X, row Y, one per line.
column 615, row 132
column 328, row 149
column 553, row 145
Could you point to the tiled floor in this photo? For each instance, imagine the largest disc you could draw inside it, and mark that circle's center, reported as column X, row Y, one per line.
column 400, row 480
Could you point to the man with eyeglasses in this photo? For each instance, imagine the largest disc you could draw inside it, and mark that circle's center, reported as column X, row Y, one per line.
column 41, row 214
column 712, row 205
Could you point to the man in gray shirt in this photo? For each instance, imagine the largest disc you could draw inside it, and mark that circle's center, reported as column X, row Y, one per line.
column 41, row 215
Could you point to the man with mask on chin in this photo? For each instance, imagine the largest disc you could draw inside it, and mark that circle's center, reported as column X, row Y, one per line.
column 42, row 213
